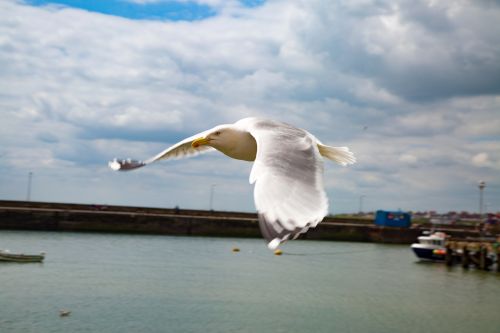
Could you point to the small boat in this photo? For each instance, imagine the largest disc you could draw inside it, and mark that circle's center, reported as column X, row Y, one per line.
column 19, row 257
column 64, row 313
column 430, row 247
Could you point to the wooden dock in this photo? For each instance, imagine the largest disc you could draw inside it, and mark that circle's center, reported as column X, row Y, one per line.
column 482, row 254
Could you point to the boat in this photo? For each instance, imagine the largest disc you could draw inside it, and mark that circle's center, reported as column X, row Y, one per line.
column 430, row 247
column 20, row 257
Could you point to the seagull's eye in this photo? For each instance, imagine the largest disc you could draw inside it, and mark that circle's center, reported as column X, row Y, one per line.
column 217, row 133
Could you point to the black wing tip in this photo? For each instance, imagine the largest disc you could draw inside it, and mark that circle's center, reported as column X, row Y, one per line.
column 125, row 165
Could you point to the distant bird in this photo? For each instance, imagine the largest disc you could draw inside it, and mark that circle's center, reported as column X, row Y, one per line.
column 287, row 171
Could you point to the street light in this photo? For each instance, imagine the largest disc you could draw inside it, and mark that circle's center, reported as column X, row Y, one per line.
column 361, row 203
column 212, row 189
column 482, row 185
column 28, row 196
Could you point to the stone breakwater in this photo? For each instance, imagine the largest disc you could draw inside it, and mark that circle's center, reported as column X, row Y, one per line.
column 22, row 215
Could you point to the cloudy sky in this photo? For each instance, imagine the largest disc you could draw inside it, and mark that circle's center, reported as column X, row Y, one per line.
column 412, row 87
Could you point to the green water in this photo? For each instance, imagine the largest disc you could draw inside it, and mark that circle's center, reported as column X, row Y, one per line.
column 137, row 283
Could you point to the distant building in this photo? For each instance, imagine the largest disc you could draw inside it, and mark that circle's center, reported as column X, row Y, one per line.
column 393, row 219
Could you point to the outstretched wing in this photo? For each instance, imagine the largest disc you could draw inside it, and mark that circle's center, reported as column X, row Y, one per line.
column 178, row 150
column 288, row 176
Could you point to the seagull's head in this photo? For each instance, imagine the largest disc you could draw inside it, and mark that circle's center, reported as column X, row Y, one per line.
column 220, row 137
column 230, row 140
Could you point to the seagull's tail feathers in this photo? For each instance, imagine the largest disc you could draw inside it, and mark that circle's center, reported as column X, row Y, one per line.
column 341, row 155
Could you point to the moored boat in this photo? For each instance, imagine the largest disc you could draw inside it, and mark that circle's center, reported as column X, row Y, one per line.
column 430, row 247
column 20, row 257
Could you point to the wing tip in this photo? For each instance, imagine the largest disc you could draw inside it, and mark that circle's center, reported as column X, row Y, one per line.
column 276, row 233
column 125, row 165
column 273, row 245
column 114, row 165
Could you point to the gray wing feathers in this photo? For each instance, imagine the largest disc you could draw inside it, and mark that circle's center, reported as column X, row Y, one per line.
column 287, row 173
column 178, row 150
column 181, row 149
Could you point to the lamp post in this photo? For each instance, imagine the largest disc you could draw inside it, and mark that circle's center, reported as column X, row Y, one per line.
column 361, row 197
column 28, row 195
column 482, row 185
column 212, row 189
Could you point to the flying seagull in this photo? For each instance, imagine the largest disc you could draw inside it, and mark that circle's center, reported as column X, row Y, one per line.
column 287, row 170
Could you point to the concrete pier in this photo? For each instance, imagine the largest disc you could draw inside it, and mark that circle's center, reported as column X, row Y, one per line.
column 22, row 215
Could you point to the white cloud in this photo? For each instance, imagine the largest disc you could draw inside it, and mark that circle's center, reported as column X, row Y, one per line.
column 412, row 88
column 481, row 159
column 408, row 159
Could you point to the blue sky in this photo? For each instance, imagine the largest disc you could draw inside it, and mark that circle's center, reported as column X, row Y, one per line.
column 145, row 10
column 411, row 87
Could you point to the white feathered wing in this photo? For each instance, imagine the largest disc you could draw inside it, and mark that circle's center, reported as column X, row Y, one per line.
column 288, row 176
column 179, row 150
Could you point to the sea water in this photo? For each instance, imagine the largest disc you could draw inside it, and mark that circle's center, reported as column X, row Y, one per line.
column 146, row 283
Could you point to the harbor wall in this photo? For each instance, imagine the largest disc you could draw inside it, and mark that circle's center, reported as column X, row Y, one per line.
column 21, row 215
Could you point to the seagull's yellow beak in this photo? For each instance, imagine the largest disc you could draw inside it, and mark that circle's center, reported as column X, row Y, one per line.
column 198, row 142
